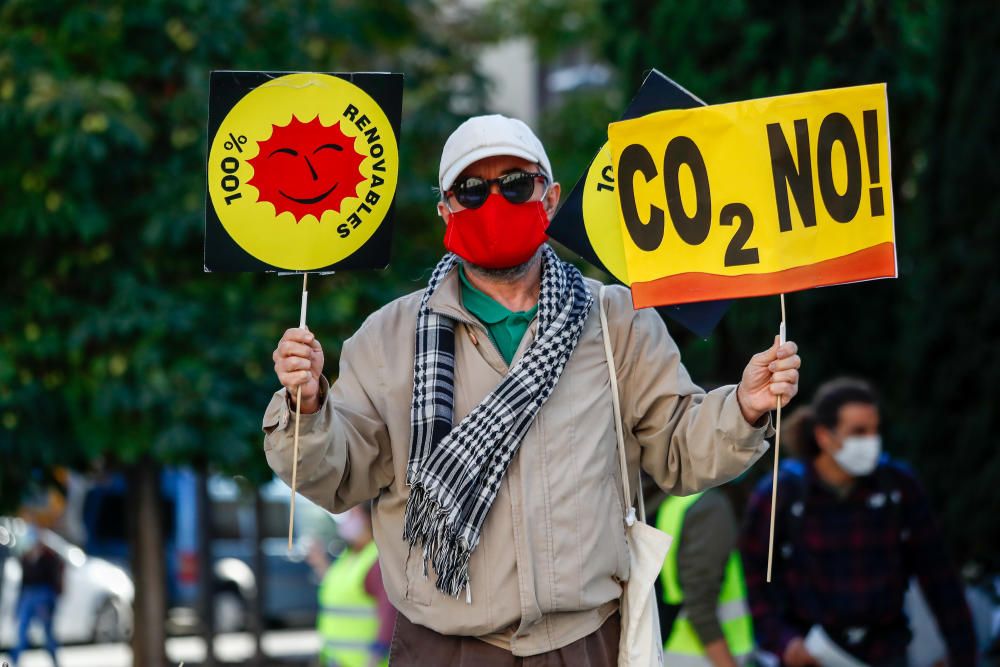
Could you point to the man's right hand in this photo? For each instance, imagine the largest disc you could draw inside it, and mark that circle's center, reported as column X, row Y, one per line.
column 298, row 362
column 796, row 654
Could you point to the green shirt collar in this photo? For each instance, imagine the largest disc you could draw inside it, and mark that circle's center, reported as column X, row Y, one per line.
column 486, row 309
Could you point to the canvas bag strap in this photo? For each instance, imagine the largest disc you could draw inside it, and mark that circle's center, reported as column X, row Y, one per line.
column 619, row 430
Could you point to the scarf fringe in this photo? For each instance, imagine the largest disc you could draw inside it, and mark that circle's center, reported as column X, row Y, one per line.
column 426, row 524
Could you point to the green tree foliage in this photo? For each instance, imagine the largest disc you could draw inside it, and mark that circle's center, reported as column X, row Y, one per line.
column 114, row 345
column 115, row 349
column 929, row 339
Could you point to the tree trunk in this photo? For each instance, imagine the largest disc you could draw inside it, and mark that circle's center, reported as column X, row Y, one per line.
column 206, row 577
column 148, row 568
column 3, row 564
column 260, row 577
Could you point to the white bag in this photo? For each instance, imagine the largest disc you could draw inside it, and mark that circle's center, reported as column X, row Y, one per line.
column 640, row 644
column 826, row 652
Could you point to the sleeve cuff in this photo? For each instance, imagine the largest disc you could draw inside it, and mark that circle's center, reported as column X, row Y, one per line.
column 742, row 433
column 708, row 632
column 279, row 412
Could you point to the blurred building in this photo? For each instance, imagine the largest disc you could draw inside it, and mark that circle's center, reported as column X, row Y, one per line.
column 514, row 71
column 521, row 84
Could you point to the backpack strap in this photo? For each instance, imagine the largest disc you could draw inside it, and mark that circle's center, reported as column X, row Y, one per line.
column 887, row 484
column 792, row 508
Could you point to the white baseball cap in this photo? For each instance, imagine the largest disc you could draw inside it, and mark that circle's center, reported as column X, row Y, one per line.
column 487, row 136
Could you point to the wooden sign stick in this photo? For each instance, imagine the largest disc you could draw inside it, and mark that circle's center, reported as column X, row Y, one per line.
column 777, row 444
column 298, row 409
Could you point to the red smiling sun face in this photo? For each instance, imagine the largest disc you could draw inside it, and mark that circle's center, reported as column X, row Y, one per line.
column 306, row 168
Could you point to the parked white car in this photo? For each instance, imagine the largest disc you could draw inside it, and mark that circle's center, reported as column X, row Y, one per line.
column 96, row 602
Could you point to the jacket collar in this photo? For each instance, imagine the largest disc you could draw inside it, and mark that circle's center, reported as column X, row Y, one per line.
column 447, row 301
column 447, row 298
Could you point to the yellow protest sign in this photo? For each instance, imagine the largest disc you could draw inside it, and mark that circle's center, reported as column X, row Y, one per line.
column 302, row 170
column 759, row 197
column 599, row 205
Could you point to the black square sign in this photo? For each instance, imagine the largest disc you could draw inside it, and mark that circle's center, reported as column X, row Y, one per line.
column 302, row 170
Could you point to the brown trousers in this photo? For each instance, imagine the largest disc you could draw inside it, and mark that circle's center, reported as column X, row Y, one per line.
column 416, row 646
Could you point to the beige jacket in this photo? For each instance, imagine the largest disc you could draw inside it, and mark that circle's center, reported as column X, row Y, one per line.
column 552, row 553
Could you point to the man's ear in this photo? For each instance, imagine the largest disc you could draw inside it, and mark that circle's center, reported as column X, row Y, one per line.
column 551, row 200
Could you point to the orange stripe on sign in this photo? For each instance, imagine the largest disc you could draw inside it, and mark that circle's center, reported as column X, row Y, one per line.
column 876, row 262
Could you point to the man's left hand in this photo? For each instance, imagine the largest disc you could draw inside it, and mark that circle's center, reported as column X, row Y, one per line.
column 771, row 375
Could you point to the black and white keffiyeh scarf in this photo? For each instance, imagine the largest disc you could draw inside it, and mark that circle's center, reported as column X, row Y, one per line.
column 454, row 473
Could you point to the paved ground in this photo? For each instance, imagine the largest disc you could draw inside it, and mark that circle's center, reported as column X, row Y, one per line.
column 287, row 646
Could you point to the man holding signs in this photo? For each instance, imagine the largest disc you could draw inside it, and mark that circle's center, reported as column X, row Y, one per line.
column 477, row 413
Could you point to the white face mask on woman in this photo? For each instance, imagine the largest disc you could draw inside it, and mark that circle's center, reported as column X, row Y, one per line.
column 859, row 454
column 353, row 526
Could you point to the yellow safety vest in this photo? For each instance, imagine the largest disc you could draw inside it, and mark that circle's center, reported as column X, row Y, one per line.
column 683, row 647
column 347, row 622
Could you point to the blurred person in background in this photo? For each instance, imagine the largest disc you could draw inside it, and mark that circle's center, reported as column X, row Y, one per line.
column 41, row 586
column 318, row 557
column 356, row 619
column 704, row 615
column 852, row 527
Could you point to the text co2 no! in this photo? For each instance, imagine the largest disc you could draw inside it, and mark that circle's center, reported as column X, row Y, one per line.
column 793, row 160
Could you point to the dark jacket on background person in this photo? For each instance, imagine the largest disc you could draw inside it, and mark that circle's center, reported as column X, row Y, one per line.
column 844, row 561
column 42, row 567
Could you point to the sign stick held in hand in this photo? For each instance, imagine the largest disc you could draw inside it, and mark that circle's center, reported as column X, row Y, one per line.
column 254, row 115
column 298, row 408
column 822, row 237
column 777, row 444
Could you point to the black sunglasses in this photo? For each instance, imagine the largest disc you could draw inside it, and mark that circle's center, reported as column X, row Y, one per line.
column 516, row 187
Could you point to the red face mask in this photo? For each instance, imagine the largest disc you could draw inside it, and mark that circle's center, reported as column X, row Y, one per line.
column 498, row 234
